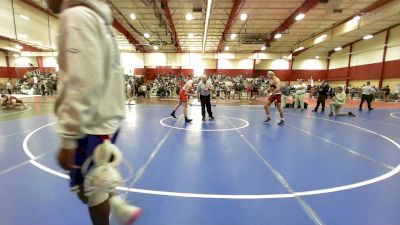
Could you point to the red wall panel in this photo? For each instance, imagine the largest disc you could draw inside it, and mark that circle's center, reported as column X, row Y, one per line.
column 18, row 72
column 307, row 74
column 392, row 69
column 339, row 73
column 365, row 72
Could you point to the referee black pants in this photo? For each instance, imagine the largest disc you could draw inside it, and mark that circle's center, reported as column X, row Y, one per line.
column 205, row 102
column 367, row 98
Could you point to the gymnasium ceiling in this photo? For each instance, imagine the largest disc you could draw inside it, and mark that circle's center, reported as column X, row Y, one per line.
column 264, row 17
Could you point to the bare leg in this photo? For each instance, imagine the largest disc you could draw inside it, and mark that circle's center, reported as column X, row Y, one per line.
column 184, row 104
column 177, row 106
column 266, row 108
column 279, row 107
column 100, row 214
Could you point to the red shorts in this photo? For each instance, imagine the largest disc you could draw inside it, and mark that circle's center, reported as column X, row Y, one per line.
column 182, row 96
column 275, row 97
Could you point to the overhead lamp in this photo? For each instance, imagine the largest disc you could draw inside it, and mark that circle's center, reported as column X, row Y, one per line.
column 322, row 37
column 233, row 36
column 356, row 18
column 338, row 49
column 299, row 49
column 226, row 48
column 132, row 16
column 243, row 17
column 317, row 57
column 277, row 36
column 155, row 47
column 300, row 16
column 369, row 36
column 189, row 16
column 146, row 35
column 24, row 17
column 263, row 48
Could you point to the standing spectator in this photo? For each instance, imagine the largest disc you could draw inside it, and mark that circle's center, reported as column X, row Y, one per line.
column 337, row 103
column 128, row 89
column 9, row 87
column 204, row 93
column 367, row 93
column 386, row 93
column 285, row 90
column 248, row 91
column 299, row 94
column 323, row 90
column 398, row 90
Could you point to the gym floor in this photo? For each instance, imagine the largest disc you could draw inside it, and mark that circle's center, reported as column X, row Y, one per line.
column 234, row 170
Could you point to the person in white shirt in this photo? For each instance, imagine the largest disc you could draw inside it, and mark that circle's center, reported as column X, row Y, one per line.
column 367, row 93
column 398, row 90
column 91, row 106
column 129, row 92
column 337, row 103
column 301, row 89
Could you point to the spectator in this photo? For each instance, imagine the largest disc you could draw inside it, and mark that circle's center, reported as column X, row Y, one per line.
column 386, row 93
column 299, row 94
column 285, row 94
column 337, row 103
column 9, row 87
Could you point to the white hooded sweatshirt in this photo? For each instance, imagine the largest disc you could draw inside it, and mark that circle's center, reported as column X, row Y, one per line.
column 92, row 96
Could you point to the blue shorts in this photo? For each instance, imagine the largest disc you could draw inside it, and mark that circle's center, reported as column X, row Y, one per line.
column 85, row 149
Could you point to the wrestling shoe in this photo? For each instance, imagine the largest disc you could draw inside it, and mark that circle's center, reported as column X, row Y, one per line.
column 267, row 120
column 124, row 213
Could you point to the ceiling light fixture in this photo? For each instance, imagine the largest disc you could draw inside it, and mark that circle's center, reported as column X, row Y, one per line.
column 146, row 35
column 243, row 17
column 299, row 49
column 356, row 18
column 132, row 16
column 338, row 49
column 369, row 36
column 226, row 48
column 189, row 16
column 233, row 36
column 24, row 17
column 317, row 57
column 263, row 48
column 155, row 47
column 300, row 16
column 277, row 36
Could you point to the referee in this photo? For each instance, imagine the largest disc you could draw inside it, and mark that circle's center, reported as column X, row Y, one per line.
column 204, row 93
column 367, row 93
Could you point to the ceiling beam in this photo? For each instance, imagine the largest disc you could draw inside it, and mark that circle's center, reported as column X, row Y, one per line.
column 368, row 9
column 38, row 7
column 304, row 8
column 206, row 24
column 118, row 26
column 237, row 5
column 24, row 46
column 358, row 40
column 167, row 14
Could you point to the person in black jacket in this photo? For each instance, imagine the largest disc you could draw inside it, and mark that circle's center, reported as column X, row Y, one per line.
column 322, row 95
